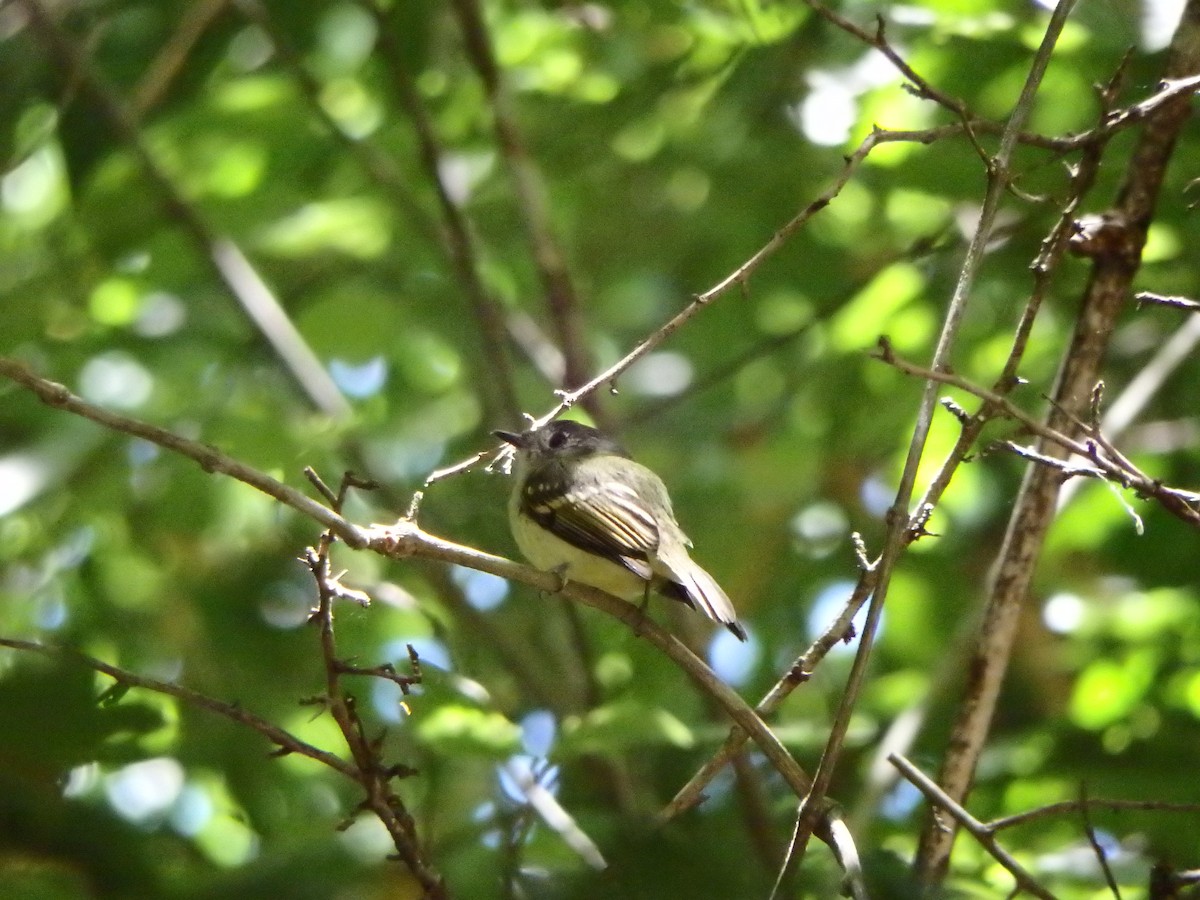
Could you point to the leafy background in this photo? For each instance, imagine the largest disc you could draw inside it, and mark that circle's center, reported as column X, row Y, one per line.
column 671, row 141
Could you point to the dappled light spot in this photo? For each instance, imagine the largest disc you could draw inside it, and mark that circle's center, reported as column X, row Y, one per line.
column 538, row 731
column 143, row 790
column 483, row 590
column 358, row 381
column 367, row 839
column 876, row 494
column 193, row 810
column 287, row 604
column 115, row 379
column 34, row 191
column 661, row 374
column 22, row 478
column 731, row 659
column 347, row 35
column 250, row 49
column 115, row 301
column 898, row 804
column 819, row 529
column 161, row 314
column 460, row 173
column 1063, row 613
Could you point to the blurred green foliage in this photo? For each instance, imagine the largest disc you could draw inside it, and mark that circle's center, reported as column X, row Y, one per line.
column 672, row 141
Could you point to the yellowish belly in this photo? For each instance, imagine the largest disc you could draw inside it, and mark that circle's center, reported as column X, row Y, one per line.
column 552, row 554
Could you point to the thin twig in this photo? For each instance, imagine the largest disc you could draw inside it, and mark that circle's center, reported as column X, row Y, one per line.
column 982, row 833
column 156, row 81
column 841, row 629
column 284, row 740
column 1184, row 303
column 1090, row 830
column 1114, row 466
column 1071, row 807
column 370, row 771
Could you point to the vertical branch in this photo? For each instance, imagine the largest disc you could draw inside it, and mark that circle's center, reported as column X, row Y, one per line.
column 156, row 82
column 1113, row 269
column 369, row 769
column 457, row 239
column 899, row 522
column 531, row 198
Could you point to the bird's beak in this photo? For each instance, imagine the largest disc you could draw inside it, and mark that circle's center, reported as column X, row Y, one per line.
column 511, row 437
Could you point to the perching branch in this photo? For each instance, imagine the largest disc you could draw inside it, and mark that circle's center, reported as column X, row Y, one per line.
column 405, row 539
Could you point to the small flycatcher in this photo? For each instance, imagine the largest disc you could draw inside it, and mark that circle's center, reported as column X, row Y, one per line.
column 581, row 507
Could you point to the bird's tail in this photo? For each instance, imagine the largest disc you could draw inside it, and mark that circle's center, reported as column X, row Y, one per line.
column 695, row 587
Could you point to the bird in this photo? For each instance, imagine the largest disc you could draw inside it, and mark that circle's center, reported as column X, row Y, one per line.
column 582, row 508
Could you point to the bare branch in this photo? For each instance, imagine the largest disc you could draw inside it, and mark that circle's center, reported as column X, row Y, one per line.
column 897, row 537
column 284, row 740
column 209, row 458
column 1187, row 305
column 370, row 770
column 1112, row 274
column 1101, row 856
column 1109, row 463
column 982, row 833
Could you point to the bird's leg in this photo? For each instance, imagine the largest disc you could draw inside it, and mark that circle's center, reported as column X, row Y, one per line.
column 560, row 572
column 641, row 608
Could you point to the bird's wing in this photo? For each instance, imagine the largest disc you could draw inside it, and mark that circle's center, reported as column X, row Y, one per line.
column 608, row 520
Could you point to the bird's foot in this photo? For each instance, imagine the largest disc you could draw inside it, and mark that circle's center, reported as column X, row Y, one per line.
column 559, row 572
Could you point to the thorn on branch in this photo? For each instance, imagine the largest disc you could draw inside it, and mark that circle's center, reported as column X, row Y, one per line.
column 917, row 525
column 955, row 410
column 860, row 553
column 1184, row 303
column 797, row 674
column 1107, row 235
column 1094, row 402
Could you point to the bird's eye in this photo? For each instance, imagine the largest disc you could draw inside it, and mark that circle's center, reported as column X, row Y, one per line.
column 557, row 439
